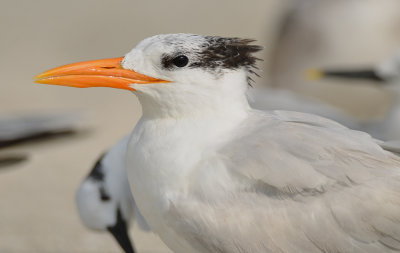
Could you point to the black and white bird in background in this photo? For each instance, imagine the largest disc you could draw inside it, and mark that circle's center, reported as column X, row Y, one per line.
column 104, row 200
column 211, row 174
column 21, row 129
column 387, row 76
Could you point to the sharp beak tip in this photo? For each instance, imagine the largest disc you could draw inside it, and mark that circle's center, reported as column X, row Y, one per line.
column 38, row 76
column 36, row 79
column 41, row 79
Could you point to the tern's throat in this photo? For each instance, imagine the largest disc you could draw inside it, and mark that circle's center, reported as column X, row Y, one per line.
column 225, row 95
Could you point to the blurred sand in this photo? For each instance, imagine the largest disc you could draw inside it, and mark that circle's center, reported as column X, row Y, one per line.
column 37, row 212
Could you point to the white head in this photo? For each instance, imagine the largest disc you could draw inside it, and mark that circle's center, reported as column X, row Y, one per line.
column 180, row 73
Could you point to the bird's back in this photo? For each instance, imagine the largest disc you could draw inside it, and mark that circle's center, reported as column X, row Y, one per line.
column 303, row 184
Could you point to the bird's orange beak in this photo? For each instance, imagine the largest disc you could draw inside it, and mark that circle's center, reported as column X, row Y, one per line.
column 97, row 73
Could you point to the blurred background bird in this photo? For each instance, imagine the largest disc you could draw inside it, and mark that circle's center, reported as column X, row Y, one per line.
column 385, row 76
column 20, row 129
column 104, row 201
column 296, row 35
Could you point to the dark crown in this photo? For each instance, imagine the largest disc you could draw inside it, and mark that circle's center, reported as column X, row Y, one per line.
column 228, row 53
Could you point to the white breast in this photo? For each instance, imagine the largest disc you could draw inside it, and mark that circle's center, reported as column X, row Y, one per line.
column 163, row 161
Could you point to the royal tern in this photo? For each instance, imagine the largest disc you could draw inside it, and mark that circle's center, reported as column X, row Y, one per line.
column 104, row 200
column 386, row 75
column 210, row 174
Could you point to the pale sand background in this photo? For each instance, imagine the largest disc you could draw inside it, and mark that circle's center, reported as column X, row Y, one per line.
column 37, row 212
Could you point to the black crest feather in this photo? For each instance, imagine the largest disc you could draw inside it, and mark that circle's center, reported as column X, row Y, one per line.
column 228, row 53
column 217, row 54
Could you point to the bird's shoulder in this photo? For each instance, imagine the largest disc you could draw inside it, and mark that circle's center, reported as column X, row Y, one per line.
column 298, row 152
column 305, row 184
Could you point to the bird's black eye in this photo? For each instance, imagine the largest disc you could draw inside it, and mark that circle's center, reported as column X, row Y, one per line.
column 180, row 61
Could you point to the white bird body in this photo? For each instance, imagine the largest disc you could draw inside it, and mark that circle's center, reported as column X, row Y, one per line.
column 100, row 215
column 210, row 174
column 171, row 173
column 109, row 181
column 104, row 201
column 223, row 202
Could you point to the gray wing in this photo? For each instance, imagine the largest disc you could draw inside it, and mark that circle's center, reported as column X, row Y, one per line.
column 305, row 184
column 323, row 152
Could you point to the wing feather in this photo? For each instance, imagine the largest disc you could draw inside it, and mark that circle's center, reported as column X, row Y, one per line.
column 311, row 185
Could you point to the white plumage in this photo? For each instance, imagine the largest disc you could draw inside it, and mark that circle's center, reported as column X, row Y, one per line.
column 104, row 201
column 211, row 174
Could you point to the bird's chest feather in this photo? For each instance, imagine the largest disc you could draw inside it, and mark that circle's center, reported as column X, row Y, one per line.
column 168, row 162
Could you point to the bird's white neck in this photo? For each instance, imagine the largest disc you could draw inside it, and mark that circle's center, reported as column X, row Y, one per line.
column 225, row 95
column 171, row 138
